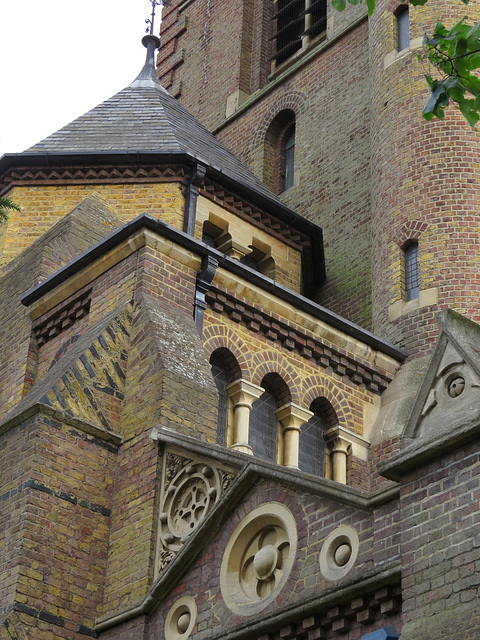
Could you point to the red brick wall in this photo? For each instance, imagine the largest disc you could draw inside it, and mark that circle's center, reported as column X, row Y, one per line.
column 441, row 548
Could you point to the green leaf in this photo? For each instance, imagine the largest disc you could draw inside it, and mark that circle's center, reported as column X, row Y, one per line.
column 467, row 107
column 339, row 5
column 370, row 6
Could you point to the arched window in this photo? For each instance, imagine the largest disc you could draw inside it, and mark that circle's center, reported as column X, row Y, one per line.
column 403, row 27
column 263, row 431
column 312, row 443
column 279, row 152
column 225, row 369
column 412, row 271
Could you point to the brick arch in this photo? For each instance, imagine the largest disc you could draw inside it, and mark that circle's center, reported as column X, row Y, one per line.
column 315, row 387
column 292, row 101
column 217, row 337
column 265, row 362
column 409, row 230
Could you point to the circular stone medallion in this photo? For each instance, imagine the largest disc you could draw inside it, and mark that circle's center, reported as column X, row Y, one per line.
column 258, row 558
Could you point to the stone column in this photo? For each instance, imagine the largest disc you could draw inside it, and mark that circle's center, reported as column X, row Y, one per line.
column 291, row 418
column 341, row 443
column 242, row 395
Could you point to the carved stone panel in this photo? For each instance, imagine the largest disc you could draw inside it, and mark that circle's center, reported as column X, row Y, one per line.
column 191, row 487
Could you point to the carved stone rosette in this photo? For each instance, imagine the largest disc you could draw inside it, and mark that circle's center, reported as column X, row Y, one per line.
column 191, row 487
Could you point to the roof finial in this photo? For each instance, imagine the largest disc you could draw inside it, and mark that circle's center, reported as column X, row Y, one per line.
column 155, row 4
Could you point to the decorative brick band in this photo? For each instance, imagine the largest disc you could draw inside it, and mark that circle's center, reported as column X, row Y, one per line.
column 61, row 317
column 41, row 615
column 112, row 174
column 327, row 622
column 255, row 215
column 255, row 319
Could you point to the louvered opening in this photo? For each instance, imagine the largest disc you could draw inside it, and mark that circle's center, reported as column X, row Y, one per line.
column 296, row 19
column 318, row 18
column 290, row 27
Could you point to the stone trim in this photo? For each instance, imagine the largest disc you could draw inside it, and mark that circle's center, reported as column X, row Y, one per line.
column 255, row 319
column 273, row 226
column 254, row 215
column 103, row 435
column 256, row 467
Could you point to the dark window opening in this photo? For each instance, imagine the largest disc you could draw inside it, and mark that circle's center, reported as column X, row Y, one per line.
column 225, row 369
column 279, row 155
column 263, row 429
column 412, row 271
column 403, row 27
column 264, row 426
column 312, row 451
column 298, row 22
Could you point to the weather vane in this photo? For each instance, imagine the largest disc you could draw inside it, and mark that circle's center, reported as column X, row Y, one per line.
column 155, row 4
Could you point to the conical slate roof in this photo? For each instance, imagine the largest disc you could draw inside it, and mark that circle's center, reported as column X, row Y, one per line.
column 145, row 118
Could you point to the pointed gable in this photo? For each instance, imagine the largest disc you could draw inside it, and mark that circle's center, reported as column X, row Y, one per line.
column 446, row 412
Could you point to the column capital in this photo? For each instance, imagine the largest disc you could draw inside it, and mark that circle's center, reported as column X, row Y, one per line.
column 356, row 444
column 243, row 392
column 292, row 416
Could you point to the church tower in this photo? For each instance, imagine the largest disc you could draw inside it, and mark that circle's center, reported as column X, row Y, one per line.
column 394, row 195
column 192, row 445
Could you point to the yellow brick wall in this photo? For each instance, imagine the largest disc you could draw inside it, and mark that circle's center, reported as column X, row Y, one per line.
column 42, row 207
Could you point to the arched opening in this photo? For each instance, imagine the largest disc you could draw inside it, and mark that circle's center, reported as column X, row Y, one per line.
column 279, row 152
column 263, row 432
column 311, row 458
column 225, row 369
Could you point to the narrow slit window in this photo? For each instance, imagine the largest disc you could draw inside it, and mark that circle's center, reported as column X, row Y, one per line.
column 290, row 159
column 403, row 28
column 412, row 272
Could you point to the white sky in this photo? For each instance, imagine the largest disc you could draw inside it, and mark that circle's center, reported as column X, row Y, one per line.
column 60, row 58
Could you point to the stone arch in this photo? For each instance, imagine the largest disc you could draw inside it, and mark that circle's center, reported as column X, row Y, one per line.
column 315, row 387
column 218, row 337
column 266, row 362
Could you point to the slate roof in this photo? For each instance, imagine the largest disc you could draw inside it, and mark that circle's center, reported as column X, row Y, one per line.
column 145, row 118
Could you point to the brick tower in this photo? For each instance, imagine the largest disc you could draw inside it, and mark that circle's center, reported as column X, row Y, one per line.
column 425, row 183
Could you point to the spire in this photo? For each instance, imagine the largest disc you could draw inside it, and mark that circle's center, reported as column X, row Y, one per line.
column 148, row 75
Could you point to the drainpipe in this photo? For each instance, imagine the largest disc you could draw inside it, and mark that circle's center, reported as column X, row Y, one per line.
column 204, row 281
column 191, row 196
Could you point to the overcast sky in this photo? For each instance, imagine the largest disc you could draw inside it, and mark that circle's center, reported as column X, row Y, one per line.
column 60, row 58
